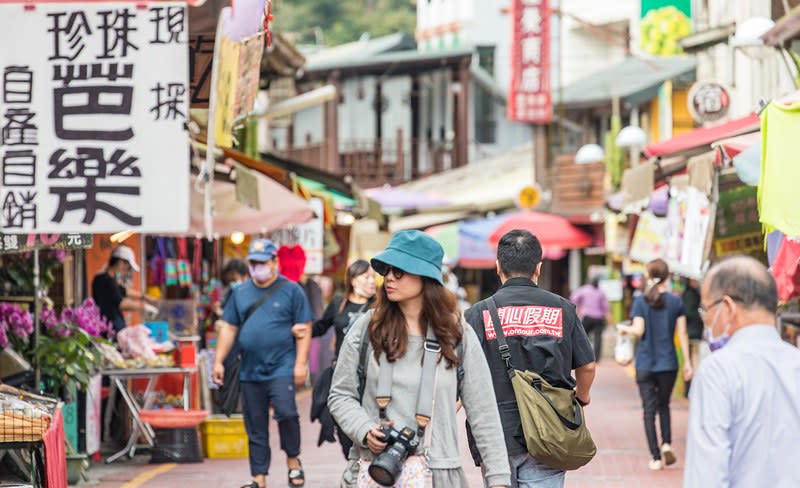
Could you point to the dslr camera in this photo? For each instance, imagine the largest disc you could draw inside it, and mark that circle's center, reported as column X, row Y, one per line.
column 386, row 466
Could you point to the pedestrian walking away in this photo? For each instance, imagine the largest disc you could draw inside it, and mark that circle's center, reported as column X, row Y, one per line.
column 744, row 409
column 694, row 324
column 342, row 313
column 657, row 314
column 594, row 312
column 544, row 335
column 414, row 347
column 260, row 317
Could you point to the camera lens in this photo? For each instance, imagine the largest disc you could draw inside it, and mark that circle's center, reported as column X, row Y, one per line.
column 386, row 467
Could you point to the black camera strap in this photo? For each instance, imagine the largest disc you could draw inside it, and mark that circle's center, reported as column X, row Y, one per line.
column 427, row 385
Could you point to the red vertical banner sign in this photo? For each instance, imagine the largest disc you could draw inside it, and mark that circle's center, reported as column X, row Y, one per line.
column 530, row 98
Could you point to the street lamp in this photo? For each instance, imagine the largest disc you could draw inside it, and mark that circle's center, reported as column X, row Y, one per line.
column 634, row 138
column 748, row 37
column 589, row 153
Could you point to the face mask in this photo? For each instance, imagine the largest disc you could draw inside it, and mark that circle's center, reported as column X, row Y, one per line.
column 235, row 284
column 361, row 292
column 716, row 343
column 261, row 272
column 122, row 278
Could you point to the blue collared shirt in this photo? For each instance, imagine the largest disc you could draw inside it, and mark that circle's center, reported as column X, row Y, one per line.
column 744, row 414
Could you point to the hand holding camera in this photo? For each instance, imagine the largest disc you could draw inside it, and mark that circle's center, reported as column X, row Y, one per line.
column 398, row 445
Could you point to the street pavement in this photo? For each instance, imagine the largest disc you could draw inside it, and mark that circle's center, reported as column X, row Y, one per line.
column 614, row 418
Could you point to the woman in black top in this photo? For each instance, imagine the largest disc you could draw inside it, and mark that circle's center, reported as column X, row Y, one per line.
column 343, row 311
column 357, row 298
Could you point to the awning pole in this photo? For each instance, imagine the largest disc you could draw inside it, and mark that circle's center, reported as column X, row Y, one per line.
column 208, row 174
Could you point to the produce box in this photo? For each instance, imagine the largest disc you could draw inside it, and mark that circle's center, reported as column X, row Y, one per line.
column 224, row 438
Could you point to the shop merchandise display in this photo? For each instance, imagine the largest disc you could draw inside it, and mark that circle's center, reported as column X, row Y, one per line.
column 23, row 419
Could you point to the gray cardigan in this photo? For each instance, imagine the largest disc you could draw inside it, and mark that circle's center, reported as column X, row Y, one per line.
column 356, row 419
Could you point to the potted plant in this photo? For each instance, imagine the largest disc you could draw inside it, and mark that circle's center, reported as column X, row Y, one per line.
column 67, row 350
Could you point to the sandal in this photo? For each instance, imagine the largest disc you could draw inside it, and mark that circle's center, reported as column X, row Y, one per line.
column 297, row 474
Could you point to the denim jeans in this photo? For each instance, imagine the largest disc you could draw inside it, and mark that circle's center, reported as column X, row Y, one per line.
column 256, row 400
column 526, row 472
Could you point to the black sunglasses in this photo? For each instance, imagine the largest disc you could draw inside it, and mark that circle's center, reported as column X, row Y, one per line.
column 385, row 269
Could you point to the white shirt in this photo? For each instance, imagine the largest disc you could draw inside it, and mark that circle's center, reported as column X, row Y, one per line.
column 744, row 414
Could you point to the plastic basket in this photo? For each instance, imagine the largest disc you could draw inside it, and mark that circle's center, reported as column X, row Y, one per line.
column 225, row 438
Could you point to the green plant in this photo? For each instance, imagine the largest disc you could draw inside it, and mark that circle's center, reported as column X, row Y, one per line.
column 63, row 359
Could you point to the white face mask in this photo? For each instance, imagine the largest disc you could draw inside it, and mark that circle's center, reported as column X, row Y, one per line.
column 716, row 343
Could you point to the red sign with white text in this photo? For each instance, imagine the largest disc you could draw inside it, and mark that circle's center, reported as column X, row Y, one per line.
column 530, row 99
column 526, row 321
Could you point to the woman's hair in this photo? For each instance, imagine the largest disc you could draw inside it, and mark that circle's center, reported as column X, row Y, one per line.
column 657, row 273
column 356, row 269
column 387, row 328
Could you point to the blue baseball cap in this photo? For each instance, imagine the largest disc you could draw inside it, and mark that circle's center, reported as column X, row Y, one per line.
column 414, row 252
column 262, row 250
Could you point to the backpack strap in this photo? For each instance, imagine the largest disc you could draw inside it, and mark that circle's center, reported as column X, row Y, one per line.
column 361, row 370
column 505, row 353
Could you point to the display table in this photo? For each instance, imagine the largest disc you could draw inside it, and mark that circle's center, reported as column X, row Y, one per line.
column 119, row 383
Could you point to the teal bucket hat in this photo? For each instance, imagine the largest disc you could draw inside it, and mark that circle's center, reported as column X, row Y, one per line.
column 414, row 252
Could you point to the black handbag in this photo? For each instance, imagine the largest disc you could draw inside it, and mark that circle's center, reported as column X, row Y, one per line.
column 229, row 390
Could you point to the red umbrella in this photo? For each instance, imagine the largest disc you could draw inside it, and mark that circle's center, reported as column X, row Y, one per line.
column 553, row 231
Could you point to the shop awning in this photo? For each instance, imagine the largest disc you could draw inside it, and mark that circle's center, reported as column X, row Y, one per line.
column 340, row 200
column 425, row 220
column 278, row 207
column 703, row 138
column 634, row 81
column 476, row 249
column 489, row 184
column 398, row 199
column 732, row 146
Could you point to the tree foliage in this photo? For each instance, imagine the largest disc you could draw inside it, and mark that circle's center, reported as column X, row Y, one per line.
column 341, row 21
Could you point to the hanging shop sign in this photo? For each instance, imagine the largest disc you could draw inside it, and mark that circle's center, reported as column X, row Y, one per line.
column 530, row 98
column 14, row 243
column 663, row 24
column 237, row 84
column 310, row 236
column 708, row 101
column 93, row 118
column 695, row 234
column 737, row 229
column 648, row 240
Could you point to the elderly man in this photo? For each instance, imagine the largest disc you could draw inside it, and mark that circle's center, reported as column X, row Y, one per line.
column 744, row 415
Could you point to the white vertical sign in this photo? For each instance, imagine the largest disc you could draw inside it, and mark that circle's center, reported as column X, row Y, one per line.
column 93, row 103
column 310, row 236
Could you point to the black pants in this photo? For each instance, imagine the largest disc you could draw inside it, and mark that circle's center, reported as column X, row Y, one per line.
column 656, row 390
column 256, row 400
column 596, row 327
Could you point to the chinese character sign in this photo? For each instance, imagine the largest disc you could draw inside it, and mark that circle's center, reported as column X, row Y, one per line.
column 92, row 117
column 530, row 98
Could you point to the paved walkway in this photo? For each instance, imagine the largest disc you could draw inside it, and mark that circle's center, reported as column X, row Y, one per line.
column 614, row 418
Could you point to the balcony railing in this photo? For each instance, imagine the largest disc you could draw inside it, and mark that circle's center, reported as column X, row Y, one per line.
column 374, row 162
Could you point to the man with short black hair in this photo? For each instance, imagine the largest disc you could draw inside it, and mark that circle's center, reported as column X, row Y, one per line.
column 744, row 410
column 544, row 335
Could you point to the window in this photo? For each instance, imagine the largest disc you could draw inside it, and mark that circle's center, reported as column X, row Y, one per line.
column 485, row 114
column 486, row 58
column 485, row 120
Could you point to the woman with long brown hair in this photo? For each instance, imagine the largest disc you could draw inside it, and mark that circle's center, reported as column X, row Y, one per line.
column 657, row 314
column 414, row 317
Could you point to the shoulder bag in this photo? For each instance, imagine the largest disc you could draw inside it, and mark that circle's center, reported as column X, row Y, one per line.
column 552, row 419
column 229, row 390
